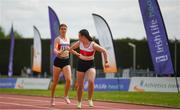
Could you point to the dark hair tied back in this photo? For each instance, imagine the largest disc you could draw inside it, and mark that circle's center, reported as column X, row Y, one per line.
column 85, row 33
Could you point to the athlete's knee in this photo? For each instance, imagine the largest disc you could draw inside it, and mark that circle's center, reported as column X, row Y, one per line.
column 54, row 83
column 91, row 82
column 80, row 86
column 68, row 80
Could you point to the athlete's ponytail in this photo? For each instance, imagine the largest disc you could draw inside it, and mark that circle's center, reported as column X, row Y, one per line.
column 85, row 33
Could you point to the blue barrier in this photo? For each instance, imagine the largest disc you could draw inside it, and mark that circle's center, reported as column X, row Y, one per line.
column 102, row 84
column 7, row 82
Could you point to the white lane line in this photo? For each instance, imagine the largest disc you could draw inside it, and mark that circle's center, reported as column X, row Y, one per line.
column 27, row 105
column 103, row 107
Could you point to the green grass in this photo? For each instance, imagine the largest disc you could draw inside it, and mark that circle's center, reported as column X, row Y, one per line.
column 150, row 98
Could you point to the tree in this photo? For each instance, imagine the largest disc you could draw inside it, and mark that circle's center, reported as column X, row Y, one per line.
column 2, row 35
column 16, row 35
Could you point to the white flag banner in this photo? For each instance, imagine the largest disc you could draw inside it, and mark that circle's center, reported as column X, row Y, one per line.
column 36, row 51
column 106, row 41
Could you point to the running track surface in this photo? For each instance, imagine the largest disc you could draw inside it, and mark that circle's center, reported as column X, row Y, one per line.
column 23, row 102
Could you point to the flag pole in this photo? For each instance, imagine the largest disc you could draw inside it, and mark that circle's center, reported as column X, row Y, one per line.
column 175, row 63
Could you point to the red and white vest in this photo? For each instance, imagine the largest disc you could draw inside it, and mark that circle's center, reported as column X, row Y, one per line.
column 89, row 51
column 63, row 45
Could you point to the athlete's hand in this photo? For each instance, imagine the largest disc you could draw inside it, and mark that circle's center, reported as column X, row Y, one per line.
column 78, row 55
column 60, row 52
column 68, row 49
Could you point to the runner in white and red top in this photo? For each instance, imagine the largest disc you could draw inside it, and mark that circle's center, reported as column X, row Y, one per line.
column 61, row 63
column 85, row 65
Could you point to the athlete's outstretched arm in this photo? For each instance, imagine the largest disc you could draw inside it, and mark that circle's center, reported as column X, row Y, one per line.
column 102, row 50
column 74, row 46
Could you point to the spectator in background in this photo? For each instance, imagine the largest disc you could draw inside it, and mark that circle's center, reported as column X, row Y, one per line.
column 29, row 72
column 23, row 72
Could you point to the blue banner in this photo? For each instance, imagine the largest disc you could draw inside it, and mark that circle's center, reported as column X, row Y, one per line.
column 102, row 84
column 156, row 36
column 7, row 82
column 54, row 28
column 11, row 55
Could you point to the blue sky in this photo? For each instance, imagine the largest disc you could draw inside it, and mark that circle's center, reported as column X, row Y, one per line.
column 123, row 16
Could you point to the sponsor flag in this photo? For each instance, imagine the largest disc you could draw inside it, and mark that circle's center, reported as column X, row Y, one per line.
column 106, row 41
column 37, row 50
column 54, row 29
column 11, row 55
column 156, row 36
